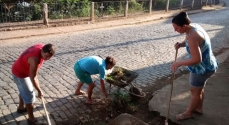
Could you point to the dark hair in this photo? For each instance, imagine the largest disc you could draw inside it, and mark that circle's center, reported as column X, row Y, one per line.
column 110, row 60
column 49, row 48
column 181, row 19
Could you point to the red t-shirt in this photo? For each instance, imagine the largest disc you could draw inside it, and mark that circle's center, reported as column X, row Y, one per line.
column 20, row 67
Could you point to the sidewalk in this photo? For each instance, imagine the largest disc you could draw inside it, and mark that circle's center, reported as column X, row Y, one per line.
column 98, row 25
column 215, row 107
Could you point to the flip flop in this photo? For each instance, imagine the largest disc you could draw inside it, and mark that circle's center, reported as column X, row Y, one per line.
column 197, row 112
column 183, row 117
column 92, row 102
column 80, row 93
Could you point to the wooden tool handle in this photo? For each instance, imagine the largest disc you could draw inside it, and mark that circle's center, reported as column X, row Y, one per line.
column 171, row 91
column 47, row 116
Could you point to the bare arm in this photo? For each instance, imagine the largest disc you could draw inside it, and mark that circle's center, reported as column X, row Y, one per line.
column 195, row 52
column 33, row 65
column 103, row 87
column 179, row 44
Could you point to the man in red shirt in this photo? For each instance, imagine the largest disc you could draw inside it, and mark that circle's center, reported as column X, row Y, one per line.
column 25, row 70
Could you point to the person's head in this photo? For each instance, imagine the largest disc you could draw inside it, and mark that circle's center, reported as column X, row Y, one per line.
column 110, row 62
column 48, row 51
column 180, row 22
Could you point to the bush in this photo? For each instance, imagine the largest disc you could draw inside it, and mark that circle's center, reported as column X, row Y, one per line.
column 134, row 6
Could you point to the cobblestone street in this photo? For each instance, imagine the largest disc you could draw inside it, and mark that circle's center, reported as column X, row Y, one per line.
column 145, row 48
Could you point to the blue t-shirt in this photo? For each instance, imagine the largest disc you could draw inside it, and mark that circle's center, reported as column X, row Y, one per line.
column 93, row 65
column 209, row 62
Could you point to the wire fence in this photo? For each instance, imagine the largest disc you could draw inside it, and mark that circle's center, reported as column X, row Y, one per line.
column 33, row 13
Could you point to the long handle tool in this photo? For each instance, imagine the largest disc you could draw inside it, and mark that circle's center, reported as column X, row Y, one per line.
column 47, row 116
column 171, row 91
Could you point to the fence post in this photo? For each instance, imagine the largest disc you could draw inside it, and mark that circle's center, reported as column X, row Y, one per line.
column 206, row 2
column 150, row 6
column 167, row 6
column 181, row 4
column 45, row 14
column 126, row 8
column 92, row 12
column 193, row 3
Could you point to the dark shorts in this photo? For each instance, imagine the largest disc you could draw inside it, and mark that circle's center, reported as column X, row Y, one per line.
column 199, row 80
column 83, row 76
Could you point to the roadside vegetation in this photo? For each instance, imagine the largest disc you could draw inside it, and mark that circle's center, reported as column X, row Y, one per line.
column 31, row 10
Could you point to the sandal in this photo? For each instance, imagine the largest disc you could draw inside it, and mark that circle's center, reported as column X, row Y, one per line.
column 198, row 112
column 20, row 111
column 92, row 102
column 80, row 93
column 182, row 116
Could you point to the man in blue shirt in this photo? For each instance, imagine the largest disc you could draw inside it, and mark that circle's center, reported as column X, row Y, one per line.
column 88, row 66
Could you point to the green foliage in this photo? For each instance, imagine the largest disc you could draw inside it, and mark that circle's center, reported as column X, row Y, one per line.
column 134, row 6
column 161, row 4
column 60, row 9
column 38, row 12
column 84, row 11
column 121, row 96
column 110, row 10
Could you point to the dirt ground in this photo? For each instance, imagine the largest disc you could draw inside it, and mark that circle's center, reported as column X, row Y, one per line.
column 106, row 110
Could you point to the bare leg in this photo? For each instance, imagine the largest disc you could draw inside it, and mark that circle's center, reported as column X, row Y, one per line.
column 78, row 92
column 30, row 111
column 195, row 100
column 21, row 103
column 89, row 90
column 194, row 103
column 200, row 106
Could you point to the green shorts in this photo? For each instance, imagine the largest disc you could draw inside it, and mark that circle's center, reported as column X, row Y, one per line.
column 83, row 76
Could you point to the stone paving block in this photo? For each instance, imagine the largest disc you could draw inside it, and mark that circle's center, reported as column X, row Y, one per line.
column 3, row 121
column 12, row 122
column 55, row 115
column 22, row 122
column 14, row 95
column 3, row 107
column 68, row 105
column 6, row 97
column 9, row 101
column 58, row 103
column 17, row 116
column 2, row 102
column 9, row 117
column 63, row 108
column 53, row 104
column 62, row 115
column 50, row 109
column 63, row 100
column 12, row 107
column 57, row 109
